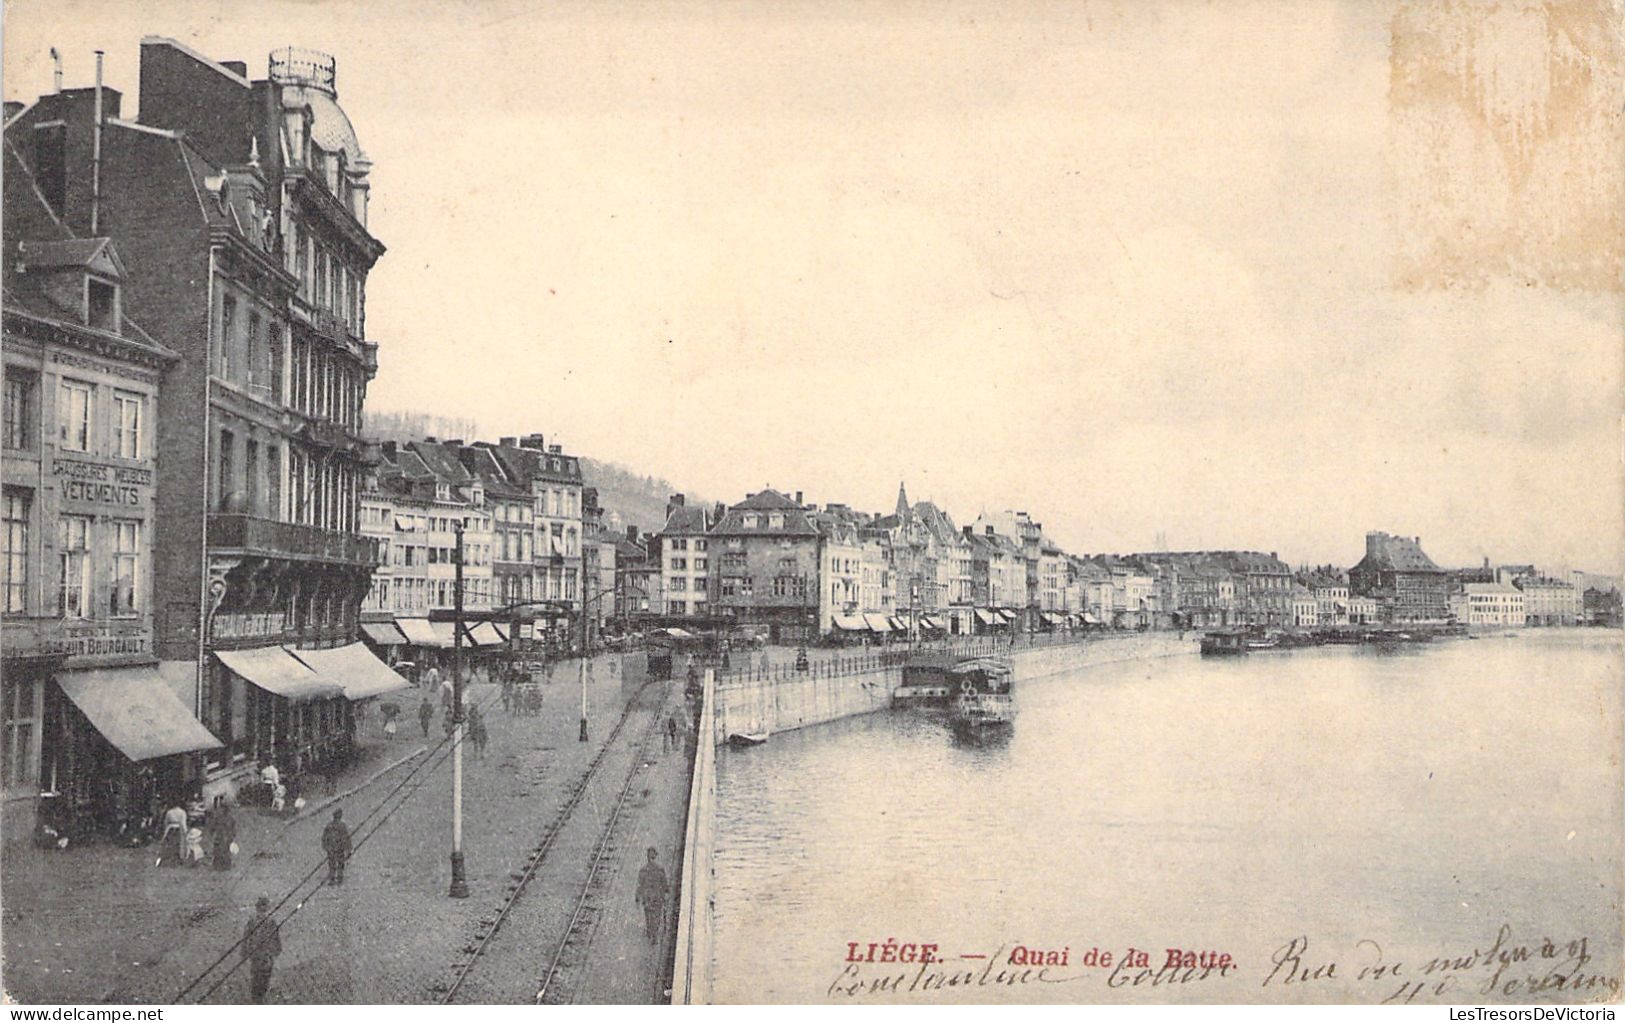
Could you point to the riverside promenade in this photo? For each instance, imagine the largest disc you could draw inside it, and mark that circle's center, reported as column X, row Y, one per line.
column 103, row 924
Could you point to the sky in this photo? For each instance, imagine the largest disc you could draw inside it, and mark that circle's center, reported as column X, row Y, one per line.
column 1247, row 275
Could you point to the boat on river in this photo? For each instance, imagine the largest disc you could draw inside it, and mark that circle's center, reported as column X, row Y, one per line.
column 1225, row 643
column 745, row 740
column 982, row 700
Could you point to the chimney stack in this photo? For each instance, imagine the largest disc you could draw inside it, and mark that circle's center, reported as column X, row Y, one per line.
column 238, row 66
column 532, row 441
column 431, row 440
column 798, row 498
column 508, row 442
column 632, row 533
column 555, row 449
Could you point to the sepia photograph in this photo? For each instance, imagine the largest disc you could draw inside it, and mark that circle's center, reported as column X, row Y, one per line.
column 853, row 503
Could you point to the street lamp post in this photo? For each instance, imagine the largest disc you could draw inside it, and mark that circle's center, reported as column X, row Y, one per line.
column 582, row 666
column 459, row 881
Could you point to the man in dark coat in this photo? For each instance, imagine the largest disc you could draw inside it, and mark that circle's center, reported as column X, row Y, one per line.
column 652, row 896
column 336, row 843
column 262, row 943
column 222, row 832
column 425, row 715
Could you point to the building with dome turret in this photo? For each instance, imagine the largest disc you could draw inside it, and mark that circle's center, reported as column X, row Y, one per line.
column 239, row 208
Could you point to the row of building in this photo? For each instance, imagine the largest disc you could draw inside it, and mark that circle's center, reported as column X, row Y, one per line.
column 797, row 571
column 186, row 364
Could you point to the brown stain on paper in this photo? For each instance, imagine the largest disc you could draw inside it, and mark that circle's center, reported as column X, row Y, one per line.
column 1505, row 144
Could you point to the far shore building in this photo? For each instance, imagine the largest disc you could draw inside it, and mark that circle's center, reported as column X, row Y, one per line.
column 1494, row 604
column 1406, row 583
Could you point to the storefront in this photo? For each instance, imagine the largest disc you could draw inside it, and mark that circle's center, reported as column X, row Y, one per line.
column 290, row 715
column 116, row 745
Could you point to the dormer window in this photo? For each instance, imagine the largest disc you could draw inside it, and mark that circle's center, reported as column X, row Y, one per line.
column 775, row 521
column 101, row 305
column 750, row 521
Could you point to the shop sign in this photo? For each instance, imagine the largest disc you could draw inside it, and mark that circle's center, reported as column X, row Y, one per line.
column 102, row 483
column 76, row 639
column 249, row 626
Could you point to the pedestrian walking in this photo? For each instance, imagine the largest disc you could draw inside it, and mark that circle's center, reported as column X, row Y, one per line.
column 478, row 733
column 651, row 895
column 431, row 678
column 172, row 841
column 262, row 943
column 671, row 732
column 336, row 843
column 389, row 728
column 425, row 715
column 222, row 836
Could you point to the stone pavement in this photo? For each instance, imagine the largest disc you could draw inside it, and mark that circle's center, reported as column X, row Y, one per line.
column 103, row 924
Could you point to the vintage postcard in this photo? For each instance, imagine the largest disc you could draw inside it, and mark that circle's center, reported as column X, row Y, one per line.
column 835, row 503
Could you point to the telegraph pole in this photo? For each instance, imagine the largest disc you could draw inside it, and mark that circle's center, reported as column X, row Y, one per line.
column 459, row 882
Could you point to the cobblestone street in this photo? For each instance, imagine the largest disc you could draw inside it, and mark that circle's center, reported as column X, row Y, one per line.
column 102, row 922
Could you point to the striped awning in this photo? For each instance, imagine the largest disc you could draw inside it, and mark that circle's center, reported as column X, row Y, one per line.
column 986, row 617
column 850, row 623
column 877, row 623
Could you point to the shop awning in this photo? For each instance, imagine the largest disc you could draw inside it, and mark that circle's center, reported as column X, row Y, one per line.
column 353, row 669
column 932, row 622
column 1007, row 615
column 1090, row 619
column 877, row 623
column 485, row 634
column 276, row 671
column 501, row 631
column 418, row 631
column 986, row 617
column 851, row 623
column 403, row 524
column 444, row 634
column 897, row 624
column 1053, row 618
column 383, row 633
column 136, row 711
column 676, row 633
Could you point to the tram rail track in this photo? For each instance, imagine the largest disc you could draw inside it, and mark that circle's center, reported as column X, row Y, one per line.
column 488, row 928
column 571, row 956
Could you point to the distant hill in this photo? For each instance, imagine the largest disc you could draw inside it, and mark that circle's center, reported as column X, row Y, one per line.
column 628, row 496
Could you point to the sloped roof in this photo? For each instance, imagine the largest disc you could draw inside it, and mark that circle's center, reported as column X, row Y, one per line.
column 1386, row 553
column 797, row 522
column 686, row 520
column 441, row 461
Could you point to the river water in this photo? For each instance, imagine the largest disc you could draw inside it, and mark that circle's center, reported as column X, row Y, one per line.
column 1445, row 815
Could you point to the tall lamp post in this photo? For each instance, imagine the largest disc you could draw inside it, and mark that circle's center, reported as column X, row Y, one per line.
column 459, row 882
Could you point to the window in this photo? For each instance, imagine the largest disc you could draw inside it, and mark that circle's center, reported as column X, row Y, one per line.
column 251, row 360
column 679, row 564
column 73, row 558
column 699, row 564
column 228, row 333
column 73, row 415
column 127, row 424
column 101, row 305
column 19, row 733
column 775, row 521
column 226, row 476
column 20, row 412
column 749, row 521
column 126, row 568
column 17, row 506
column 679, row 583
column 679, row 544
column 699, row 545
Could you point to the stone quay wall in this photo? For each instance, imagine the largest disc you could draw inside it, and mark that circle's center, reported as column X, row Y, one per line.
column 784, row 700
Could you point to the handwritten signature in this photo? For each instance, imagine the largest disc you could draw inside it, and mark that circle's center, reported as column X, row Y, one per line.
column 1507, row 968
